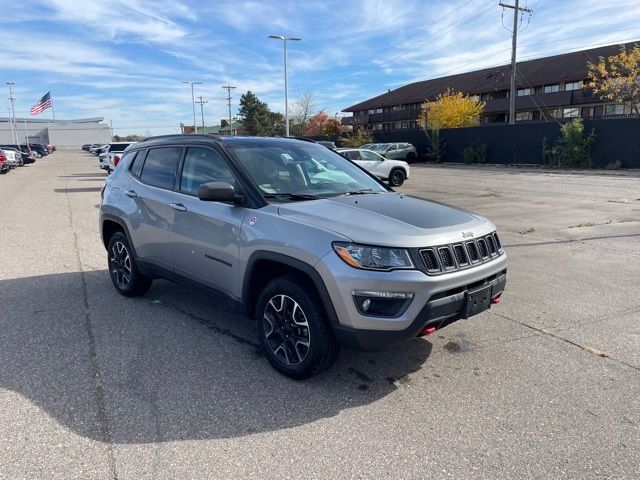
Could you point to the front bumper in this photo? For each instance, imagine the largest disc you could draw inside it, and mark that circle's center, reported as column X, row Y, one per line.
column 438, row 300
column 437, row 313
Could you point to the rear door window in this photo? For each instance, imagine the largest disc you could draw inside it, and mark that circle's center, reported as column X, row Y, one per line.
column 160, row 167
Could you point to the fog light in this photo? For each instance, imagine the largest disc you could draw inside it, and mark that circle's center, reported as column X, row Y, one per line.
column 381, row 303
column 366, row 304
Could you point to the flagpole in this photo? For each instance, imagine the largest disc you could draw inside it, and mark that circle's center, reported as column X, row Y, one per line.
column 53, row 110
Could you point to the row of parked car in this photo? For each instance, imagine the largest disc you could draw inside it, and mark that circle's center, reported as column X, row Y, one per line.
column 13, row 156
column 387, row 161
column 109, row 154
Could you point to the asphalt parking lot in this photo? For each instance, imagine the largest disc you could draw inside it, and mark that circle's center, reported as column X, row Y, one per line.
column 170, row 385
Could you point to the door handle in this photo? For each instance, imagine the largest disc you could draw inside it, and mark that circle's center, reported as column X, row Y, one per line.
column 178, row 207
column 130, row 193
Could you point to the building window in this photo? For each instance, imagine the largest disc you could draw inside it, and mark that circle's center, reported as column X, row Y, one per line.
column 377, row 126
column 551, row 88
column 397, row 125
column 617, row 109
column 570, row 112
column 522, row 116
column 524, row 91
column 395, row 108
column 475, row 98
column 371, row 111
column 378, row 110
column 404, row 125
column 572, row 86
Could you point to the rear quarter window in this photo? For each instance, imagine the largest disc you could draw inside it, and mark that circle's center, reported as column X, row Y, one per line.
column 160, row 167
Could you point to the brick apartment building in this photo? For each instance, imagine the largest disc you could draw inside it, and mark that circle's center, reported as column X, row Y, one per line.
column 548, row 89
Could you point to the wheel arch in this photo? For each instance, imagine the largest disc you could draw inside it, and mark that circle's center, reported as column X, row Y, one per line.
column 109, row 224
column 264, row 266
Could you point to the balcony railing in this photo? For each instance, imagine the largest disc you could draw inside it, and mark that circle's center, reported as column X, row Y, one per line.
column 398, row 115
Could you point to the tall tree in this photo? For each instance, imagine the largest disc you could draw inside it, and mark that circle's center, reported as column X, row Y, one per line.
column 617, row 78
column 451, row 110
column 302, row 108
column 255, row 115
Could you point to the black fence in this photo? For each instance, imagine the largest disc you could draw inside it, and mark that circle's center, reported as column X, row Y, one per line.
column 617, row 140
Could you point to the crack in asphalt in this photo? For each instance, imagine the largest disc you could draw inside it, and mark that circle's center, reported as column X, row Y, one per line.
column 585, row 348
column 101, row 412
column 207, row 323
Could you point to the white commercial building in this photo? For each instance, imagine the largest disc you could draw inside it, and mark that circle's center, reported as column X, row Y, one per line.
column 61, row 133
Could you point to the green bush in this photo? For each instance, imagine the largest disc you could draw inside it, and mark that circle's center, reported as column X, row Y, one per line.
column 573, row 147
column 475, row 154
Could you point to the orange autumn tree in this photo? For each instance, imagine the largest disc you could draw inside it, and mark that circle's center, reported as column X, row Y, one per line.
column 321, row 124
column 451, row 110
column 617, row 78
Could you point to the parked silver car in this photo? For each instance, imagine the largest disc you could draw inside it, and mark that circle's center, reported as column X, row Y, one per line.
column 314, row 248
column 396, row 151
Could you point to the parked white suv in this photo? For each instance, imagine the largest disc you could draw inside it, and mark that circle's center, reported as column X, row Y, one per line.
column 393, row 171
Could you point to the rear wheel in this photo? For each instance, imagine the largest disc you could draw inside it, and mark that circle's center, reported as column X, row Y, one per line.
column 411, row 157
column 397, row 177
column 122, row 268
column 292, row 328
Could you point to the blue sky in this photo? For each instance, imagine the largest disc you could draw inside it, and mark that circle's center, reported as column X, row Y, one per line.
column 124, row 60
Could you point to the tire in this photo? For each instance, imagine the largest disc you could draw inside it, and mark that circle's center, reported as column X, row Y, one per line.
column 122, row 267
column 397, row 177
column 293, row 330
column 411, row 157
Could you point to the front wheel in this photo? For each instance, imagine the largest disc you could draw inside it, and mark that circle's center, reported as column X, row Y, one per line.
column 122, row 268
column 293, row 330
column 397, row 177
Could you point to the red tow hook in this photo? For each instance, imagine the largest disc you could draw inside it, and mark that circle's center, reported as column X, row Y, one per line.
column 427, row 331
column 496, row 299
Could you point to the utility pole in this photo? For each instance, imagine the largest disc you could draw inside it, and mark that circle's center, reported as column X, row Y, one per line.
column 228, row 88
column 12, row 119
column 514, row 41
column 111, row 123
column 202, row 101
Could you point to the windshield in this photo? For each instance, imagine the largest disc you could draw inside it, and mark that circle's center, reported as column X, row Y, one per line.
column 377, row 147
column 308, row 171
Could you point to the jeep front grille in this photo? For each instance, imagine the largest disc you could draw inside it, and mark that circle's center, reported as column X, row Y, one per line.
column 458, row 256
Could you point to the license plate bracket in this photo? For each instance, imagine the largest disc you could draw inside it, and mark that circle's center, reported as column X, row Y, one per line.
column 477, row 301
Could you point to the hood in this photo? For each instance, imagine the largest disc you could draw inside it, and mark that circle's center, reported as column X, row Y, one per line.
column 388, row 219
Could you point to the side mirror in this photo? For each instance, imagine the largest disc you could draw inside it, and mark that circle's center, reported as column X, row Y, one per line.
column 218, row 192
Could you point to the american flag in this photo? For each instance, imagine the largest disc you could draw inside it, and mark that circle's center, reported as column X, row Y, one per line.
column 42, row 105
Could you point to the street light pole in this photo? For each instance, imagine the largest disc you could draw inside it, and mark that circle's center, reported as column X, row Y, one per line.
column 284, row 39
column 193, row 104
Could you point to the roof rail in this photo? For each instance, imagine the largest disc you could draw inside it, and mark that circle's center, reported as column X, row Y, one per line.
column 180, row 135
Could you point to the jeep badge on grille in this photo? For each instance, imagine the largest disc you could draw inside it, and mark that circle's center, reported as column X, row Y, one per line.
column 467, row 234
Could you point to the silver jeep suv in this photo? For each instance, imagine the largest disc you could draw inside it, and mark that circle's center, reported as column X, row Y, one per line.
column 318, row 251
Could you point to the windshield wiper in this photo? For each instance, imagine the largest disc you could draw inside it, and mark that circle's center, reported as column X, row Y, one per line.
column 292, row 196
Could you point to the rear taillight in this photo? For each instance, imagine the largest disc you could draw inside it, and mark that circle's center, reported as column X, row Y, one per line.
column 116, row 160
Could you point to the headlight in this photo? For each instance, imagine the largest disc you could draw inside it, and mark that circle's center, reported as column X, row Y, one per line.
column 373, row 258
